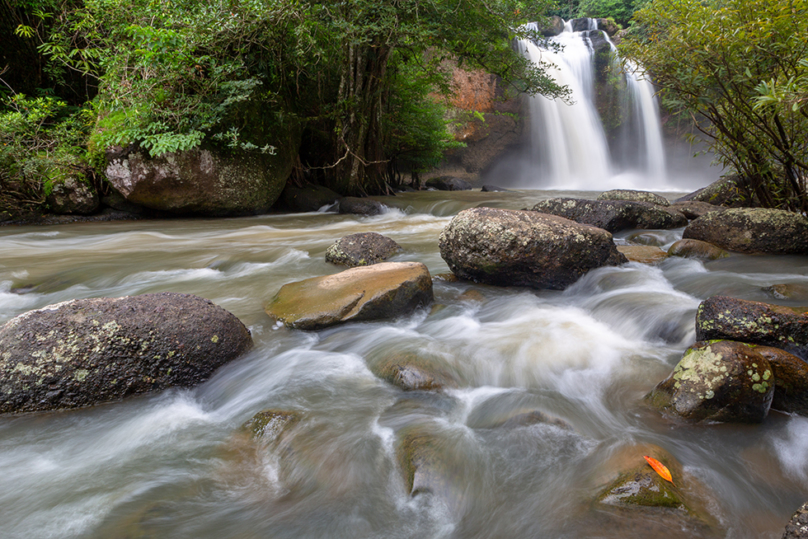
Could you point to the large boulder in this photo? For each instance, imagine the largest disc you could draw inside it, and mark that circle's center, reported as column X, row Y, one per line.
column 612, row 215
column 722, row 317
column 688, row 248
column 88, row 351
column 753, row 231
column 309, row 198
column 797, row 527
column 717, row 381
column 729, row 191
column 790, row 380
column 524, row 248
column 72, row 196
column 552, row 27
column 376, row 292
column 448, row 183
column 200, row 181
column 361, row 249
column 361, row 206
column 634, row 196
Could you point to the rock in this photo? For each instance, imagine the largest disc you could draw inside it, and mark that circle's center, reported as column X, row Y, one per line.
column 200, row 182
column 722, row 317
column 72, row 195
column 269, row 426
column 493, row 189
column 361, row 206
column 520, row 417
column 797, row 527
column 472, row 296
column 644, row 254
column 791, row 291
column 790, row 380
column 309, row 198
column 634, row 196
column 524, row 248
column 608, row 26
column 84, row 352
column 654, row 239
column 376, row 292
column 117, row 201
column 688, row 248
column 446, row 277
column 448, row 183
column 724, row 381
column 554, row 26
column 361, row 249
column 583, row 24
column 413, row 371
column 611, row 215
column 637, row 484
column 693, row 209
column 753, row 231
column 728, row 191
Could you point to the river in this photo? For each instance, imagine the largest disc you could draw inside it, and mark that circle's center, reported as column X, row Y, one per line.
column 173, row 464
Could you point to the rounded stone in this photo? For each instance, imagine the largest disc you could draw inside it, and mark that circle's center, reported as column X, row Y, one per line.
column 634, row 196
column 361, row 206
column 361, row 249
column 613, row 215
column 688, row 248
column 753, row 231
column 643, row 254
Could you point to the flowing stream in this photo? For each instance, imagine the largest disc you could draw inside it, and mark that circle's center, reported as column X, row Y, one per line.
column 173, row 464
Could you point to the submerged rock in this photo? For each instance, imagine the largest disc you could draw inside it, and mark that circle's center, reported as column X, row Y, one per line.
column 524, row 248
column 634, row 196
column 448, row 183
column 376, row 292
column 792, row 291
column 654, row 239
column 413, row 371
column 688, row 248
column 797, row 527
column 309, row 198
column 612, row 215
column 644, row 254
column 269, row 426
column 753, row 231
column 361, row 249
column 361, row 206
column 722, row 317
column 717, row 381
column 88, row 351
column 790, row 380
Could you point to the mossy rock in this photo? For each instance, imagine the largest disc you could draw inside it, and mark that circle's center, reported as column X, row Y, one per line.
column 269, row 426
column 72, row 195
column 753, row 231
column 643, row 254
column 635, row 196
column 790, row 380
column 722, row 381
column 688, row 248
column 728, row 191
column 361, row 249
column 412, row 370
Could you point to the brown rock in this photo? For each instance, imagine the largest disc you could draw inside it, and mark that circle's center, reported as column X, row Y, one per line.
column 790, row 380
column 688, row 248
column 693, row 209
column 643, row 254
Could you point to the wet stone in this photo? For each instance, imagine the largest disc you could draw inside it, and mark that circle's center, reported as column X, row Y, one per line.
column 689, row 248
column 634, row 196
column 790, row 380
column 643, row 254
column 361, row 249
column 797, row 527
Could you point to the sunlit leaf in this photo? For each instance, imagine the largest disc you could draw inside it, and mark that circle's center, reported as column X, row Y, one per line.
column 659, row 468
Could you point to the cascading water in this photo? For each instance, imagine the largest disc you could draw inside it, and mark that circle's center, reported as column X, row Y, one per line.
column 569, row 146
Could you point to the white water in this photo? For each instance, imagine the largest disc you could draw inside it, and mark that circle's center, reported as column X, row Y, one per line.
column 569, row 147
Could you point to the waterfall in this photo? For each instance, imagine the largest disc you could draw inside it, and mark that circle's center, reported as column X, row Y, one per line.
column 569, row 147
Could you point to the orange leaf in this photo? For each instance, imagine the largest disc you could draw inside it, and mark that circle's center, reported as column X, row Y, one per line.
column 659, row 468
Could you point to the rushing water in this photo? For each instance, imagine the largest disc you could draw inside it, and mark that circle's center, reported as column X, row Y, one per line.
column 172, row 464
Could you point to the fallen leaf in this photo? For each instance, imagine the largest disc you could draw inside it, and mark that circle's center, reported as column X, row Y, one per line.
column 659, row 468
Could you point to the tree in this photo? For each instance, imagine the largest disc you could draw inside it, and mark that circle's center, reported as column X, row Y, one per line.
column 740, row 65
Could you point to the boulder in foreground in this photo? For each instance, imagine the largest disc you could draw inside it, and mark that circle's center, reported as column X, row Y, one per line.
column 753, row 231
column 376, row 292
column 723, row 317
column 524, row 248
column 89, row 351
column 717, row 381
column 361, row 249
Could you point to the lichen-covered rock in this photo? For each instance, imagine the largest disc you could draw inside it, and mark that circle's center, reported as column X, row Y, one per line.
column 89, row 351
column 643, row 254
column 753, row 231
column 361, row 249
column 797, row 527
column 376, row 292
column 269, row 426
column 524, row 248
column 634, row 196
column 790, row 380
column 309, row 198
column 693, row 209
column 361, row 206
column 72, row 195
column 448, row 183
column 612, row 215
column 688, row 248
column 723, row 317
column 728, row 191
column 717, row 381
column 413, row 371
column 200, row 182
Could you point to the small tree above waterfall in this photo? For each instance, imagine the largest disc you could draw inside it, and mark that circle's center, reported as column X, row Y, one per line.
column 739, row 64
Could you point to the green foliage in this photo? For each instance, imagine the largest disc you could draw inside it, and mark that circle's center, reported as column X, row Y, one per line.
column 741, row 65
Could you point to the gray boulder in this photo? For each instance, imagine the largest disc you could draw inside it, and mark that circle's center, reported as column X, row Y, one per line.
column 753, row 231
column 448, row 183
column 200, row 182
column 376, row 292
column 717, row 381
column 361, row 206
column 612, row 215
column 88, row 351
column 361, row 249
column 72, row 196
column 729, row 191
column 524, row 248
column 634, row 196
column 722, row 317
